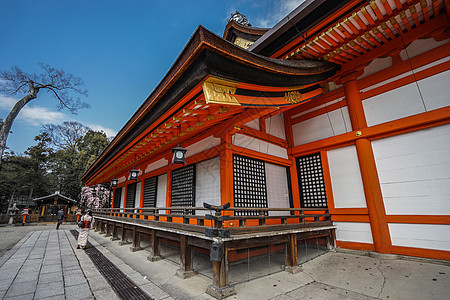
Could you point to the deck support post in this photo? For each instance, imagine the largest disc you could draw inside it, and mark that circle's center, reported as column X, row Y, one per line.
column 154, row 247
column 136, row 245
column 186, row 263
column 123, row 240
column 291, row 255
column 114, row 232
column 221, row 288
column 108, row 229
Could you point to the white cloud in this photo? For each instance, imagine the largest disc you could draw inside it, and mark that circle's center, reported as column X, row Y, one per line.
column 109, row 132
column 33, row 115
column 280, row 10
column 37, row 115
column 6, row 103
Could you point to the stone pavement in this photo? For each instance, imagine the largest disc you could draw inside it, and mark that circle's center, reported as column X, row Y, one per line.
column 45, row 264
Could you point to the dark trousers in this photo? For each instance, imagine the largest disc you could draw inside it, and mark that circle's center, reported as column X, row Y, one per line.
column 59, row 223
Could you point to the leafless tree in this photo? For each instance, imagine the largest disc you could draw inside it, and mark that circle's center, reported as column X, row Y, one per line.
column 65, row 135
column 55, row 81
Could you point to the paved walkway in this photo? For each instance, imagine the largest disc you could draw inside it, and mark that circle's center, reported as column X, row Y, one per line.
column 45, row 264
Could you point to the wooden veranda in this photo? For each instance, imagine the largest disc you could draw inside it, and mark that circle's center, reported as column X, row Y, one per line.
column 226, row 230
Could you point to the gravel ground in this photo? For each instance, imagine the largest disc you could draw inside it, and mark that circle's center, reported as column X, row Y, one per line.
column 11, row 235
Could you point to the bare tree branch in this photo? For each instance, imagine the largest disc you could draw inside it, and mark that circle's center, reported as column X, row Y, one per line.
column 56, row 81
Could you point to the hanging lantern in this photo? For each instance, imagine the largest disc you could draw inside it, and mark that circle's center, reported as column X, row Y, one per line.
column 134, row 174
column 114, row 182
column 179, row 153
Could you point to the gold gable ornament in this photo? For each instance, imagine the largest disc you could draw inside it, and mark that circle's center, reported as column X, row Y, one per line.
column 219, row 91
column 293, row 97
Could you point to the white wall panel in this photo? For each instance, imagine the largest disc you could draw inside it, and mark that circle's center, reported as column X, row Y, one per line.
column 161, row 191
column 436, row 90
column 346, row 182
column 275, row 126
column 377, row 65
column 420, row 46
column 277, row 188
column 253, row 124
column 353, row 232
column 156, row 165
column 258, row 145
column 203, row 145
column 137, row 200
column 407, row 100
column 122, row 198
column 207, row 183
column 414, row 171
column 321, row 127
column 427, row 236
column 395, row 104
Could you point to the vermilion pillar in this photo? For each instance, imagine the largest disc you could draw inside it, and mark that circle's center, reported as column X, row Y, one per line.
column 293, row 168
column 367, row 165
column 226, row 174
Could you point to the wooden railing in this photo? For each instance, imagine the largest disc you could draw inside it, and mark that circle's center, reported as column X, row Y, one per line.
column 233, row 218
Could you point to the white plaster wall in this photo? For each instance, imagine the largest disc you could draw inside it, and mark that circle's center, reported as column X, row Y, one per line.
column 156, row 165
column 407, row 100
column 203, row 145
column 253, row 124
column 377, row 65
column 427, row 236
column 277, row 188
column 207, row 183
column 258, row 145
column 161, row 191
column 275, row 126
column 436, row 89
column 122, row 198
column 346, row 182
column 324, row 126
column 121, row 179
column 414, row 171
column 353, row 232
column 421, row 46
column 137, row 200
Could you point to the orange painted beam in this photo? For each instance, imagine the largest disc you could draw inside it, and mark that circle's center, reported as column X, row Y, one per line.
column 350, row 218
column 349, row 211
column 421, row 252
column 327, row 179
column 354, row 104
column 424, row 120
column 320, row 111
column 263, row 136
column 261, row 156
column 226, row 172
column 374, row 197
column 419, row 219
column 355, row 245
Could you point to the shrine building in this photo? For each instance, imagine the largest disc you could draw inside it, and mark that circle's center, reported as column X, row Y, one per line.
column 330, row 129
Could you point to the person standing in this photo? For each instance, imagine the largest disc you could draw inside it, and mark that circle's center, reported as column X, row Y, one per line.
column 59, row 218
column 88, row 223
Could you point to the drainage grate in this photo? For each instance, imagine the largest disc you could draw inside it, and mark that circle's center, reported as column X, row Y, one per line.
column 121, row 284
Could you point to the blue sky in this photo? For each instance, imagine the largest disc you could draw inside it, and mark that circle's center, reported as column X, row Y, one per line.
column 121, row 49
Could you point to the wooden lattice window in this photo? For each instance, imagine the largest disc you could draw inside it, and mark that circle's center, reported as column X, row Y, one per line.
column 249, row 184
column 150, row 191
column 183, row 187
column 311, row 182
column 131, row 195
column 117, row 197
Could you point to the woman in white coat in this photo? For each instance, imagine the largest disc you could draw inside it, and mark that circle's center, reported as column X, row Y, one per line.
column 88, row 223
